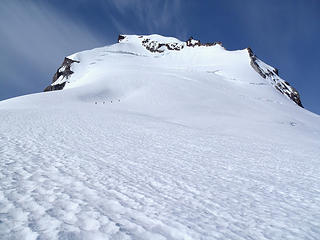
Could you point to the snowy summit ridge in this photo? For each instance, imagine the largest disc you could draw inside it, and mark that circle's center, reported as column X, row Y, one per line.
column 157, row 44
column 156, row 138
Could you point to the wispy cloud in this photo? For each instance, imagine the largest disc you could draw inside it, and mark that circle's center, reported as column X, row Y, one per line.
column 153, row 16
column 36, row 36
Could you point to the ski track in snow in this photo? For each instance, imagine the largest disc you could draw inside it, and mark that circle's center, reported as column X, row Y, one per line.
column 58, row 182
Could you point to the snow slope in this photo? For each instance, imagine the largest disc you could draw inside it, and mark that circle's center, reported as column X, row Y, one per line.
column 177, row 144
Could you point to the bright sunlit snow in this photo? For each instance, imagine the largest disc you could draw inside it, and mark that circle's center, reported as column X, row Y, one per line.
column 189, row 144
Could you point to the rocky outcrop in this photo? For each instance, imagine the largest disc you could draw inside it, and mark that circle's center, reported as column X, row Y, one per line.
column 192, row 43
column 120, row 38
column 159, row 47
column 271, row 74
column 60, row 77
column 155, row 46
column 55, row 87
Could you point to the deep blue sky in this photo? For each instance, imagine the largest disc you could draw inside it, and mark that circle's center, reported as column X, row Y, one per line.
column 36, row 35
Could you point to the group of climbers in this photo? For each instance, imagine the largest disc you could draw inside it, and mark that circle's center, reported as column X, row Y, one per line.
column 104, row 102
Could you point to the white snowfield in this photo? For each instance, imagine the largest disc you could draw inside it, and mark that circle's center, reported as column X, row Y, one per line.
column 194, row 145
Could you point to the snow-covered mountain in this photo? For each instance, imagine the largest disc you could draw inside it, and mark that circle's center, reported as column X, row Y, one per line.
column 165, row 45
column 156, row 138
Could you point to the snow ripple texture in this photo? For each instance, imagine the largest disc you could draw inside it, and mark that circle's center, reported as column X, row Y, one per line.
column 127, row 180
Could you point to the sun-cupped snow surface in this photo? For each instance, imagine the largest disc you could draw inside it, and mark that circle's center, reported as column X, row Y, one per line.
column 186, row 145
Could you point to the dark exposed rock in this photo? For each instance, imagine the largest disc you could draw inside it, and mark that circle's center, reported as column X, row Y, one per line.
column 55, row 87
column 155, row 46
column 120, row 38
column 271, row 74
column 63, row 71
column 254, row 64
column 159, row 47
column 192, row 43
